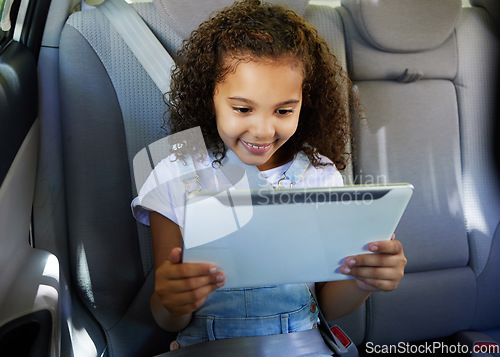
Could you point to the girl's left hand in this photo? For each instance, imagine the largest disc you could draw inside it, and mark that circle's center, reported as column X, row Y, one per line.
column 381, row 271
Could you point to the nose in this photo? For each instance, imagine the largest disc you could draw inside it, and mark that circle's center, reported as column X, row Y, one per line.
column 262, row 128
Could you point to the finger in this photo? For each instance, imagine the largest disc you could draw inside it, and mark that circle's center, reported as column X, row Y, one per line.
column 176, row 256
column 190, row 284
column 377, row 273
column 189, row 301
column 185, row 270
column 376, row 260
column 386, row 246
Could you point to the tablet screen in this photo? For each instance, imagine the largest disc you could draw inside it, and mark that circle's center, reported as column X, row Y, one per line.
column 262, row 237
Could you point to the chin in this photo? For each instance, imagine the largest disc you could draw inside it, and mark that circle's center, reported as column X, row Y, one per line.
column 254, row 161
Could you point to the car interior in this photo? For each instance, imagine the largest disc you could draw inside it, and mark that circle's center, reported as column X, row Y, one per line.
column 76, row 106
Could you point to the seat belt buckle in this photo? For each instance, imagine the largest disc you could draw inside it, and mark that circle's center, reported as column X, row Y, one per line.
column 485, row 349
column 342, row 345
column 343, row 339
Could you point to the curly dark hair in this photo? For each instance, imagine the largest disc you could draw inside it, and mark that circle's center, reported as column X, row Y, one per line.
column 262, row 31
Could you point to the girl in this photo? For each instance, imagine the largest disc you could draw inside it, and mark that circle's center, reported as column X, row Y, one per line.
column 266, row 93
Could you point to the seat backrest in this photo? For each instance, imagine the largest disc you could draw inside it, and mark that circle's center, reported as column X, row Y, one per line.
column 427, row 99
column 102, row 87
column 424, row 94
column 110, row 110
column 477, row 92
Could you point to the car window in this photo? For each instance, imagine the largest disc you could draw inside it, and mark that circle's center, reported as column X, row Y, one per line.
column 5, row 26
column 11, row 12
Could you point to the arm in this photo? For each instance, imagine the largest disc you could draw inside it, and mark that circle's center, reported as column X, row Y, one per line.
column 180, row 288
column 381, row 271
column 339, row 298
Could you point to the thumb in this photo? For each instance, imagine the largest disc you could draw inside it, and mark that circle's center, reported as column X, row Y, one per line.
column 176, row 256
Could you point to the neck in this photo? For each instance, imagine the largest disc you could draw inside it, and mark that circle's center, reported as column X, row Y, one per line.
column 280, row 157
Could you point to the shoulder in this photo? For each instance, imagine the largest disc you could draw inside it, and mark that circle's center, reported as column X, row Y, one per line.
column 325, row 160
column 164, row 190
column 172, row 167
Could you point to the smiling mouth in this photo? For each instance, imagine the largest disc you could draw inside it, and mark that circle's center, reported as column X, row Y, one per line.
column 256, row 148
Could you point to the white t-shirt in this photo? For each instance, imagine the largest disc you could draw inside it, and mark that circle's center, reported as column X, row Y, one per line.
column 164, row 192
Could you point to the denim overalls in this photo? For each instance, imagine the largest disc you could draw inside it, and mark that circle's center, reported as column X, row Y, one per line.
column 267, row 310
column 243, row 312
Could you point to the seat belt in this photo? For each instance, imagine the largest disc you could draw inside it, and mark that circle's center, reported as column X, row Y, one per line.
column 293, row 344
column 140, row 39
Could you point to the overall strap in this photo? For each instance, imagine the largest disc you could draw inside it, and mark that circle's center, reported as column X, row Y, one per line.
column 295, row 172
column 188, row 175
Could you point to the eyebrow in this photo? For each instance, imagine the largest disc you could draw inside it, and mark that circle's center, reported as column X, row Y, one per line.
column 248, row 101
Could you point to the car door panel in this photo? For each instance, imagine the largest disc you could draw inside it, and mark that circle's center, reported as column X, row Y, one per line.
column 29, row 293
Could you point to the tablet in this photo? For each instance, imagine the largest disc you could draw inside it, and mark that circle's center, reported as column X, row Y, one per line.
column 267, row 237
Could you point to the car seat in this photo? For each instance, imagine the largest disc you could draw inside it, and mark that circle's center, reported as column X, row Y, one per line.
column 425, row 75
column 426, row 96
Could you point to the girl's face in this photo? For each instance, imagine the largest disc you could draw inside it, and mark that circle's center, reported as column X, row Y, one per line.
column 257, row 110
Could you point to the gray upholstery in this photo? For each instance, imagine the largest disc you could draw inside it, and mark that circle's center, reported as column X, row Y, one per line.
column 480, row 64
column 395, row 145
column 427, row 97
column 477, row 98
column 108, row 267
column 366, row 62
column 328, row 22
column 426, row 305
column 139, row 100
column 428, row 107
column 491, row 6
column 404, row 26
column 185, row 16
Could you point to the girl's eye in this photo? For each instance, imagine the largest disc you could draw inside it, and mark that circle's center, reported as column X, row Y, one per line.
column 284, row 111
column 242, row 110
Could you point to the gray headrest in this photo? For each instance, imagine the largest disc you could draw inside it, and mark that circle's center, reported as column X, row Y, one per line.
column 405, row 25
column 185, row 16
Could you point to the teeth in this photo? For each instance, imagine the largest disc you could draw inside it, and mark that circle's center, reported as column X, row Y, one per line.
column 257, row 146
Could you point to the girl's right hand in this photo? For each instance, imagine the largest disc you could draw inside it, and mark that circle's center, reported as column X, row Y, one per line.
column 184, row 287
